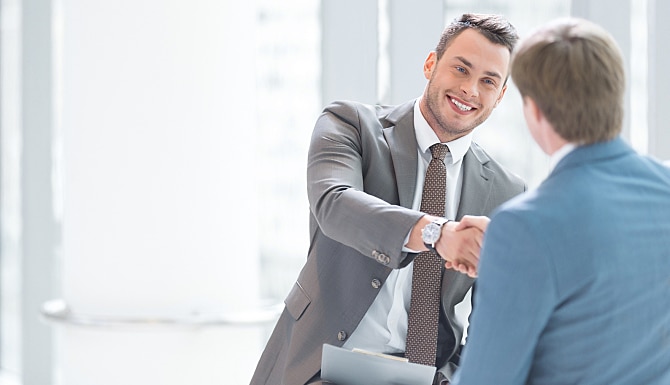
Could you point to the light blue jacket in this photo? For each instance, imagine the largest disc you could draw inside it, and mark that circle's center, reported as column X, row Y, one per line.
column 574, row 284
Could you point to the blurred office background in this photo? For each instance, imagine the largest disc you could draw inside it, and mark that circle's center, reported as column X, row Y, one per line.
column 152, row 163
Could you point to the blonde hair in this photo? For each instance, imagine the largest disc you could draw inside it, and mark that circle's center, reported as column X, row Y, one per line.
column 573, row 70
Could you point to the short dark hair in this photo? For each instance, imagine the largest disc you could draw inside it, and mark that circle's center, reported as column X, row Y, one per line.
column 494, row 27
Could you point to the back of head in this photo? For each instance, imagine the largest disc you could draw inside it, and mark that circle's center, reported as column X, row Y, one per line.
column 573, row 70
column 494, row 27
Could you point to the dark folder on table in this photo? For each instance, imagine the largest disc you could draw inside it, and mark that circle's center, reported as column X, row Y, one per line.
column 357, row 367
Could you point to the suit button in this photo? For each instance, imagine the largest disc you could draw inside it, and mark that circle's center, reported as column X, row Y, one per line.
column 376, row 283
column 342, row 335
column 381, row 257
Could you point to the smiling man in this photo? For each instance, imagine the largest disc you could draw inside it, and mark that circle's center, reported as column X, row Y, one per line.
column 466, row 82
column 374, row 278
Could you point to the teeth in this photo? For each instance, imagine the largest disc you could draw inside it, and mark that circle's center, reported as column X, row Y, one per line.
column 461, row 106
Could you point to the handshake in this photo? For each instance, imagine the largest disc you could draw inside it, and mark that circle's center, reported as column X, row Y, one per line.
column 459, row 243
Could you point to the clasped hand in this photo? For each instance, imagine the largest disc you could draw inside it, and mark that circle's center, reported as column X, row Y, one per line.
column 460, row 243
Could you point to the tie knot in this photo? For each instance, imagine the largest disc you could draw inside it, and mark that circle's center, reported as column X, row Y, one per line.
column 439, row 151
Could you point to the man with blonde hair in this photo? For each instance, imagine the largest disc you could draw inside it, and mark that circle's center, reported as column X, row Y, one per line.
column 574, row 277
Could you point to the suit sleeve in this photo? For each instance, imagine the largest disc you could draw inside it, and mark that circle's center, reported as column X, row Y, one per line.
column 342, row 151
column 515, row 295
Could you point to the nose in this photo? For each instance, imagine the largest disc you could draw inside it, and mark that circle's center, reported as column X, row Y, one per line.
column 469, row 87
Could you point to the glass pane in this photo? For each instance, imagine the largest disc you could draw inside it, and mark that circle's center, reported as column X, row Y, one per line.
column 639, row 135
column 10, row 182
column 288, row 104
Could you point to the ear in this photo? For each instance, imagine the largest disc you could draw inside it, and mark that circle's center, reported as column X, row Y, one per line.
column 540, row 128
column 429, row 64
column 502, row 93
column 534, row 111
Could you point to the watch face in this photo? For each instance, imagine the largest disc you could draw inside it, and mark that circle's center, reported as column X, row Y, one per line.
column 431, row 233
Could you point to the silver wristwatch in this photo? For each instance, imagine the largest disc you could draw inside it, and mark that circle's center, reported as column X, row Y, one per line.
column 431, row 232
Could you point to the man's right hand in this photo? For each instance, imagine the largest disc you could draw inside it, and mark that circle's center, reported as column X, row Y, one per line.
column 468, row 235
column 459, row 245
column 479, row 221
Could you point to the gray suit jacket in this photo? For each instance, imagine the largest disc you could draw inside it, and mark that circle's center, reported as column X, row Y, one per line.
column 361, row 178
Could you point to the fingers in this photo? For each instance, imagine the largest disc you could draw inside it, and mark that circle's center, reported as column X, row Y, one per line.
column 480, row 222
column 468, row 270
column 471, row 271
column 479, row 239
column 460, row 249
column 458, row 226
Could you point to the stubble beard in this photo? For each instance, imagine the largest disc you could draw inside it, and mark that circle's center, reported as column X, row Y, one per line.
column 441, row 120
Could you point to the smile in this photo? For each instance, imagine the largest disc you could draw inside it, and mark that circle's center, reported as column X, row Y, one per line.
column 460, row 105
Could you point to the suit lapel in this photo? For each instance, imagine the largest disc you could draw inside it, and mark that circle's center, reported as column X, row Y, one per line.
column 402, row 144
column 477, row 178
column 477, row 184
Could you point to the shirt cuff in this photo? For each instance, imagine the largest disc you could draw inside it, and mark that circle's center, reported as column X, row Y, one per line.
column 406, row 249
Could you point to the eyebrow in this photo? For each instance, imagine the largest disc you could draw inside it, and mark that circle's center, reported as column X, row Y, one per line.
column 468, row 64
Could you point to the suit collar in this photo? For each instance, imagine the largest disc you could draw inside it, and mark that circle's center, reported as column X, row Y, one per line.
column 560, row 154
column 477, row 177
column 592, row 153
column 401, row 112
column 426, row 137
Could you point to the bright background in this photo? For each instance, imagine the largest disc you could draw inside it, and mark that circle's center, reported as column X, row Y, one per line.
column 152, row 163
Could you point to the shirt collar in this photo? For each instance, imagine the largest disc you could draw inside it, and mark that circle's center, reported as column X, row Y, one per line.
column 560, row 154
column 426, row 137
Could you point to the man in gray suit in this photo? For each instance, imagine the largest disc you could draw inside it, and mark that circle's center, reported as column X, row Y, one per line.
column 365, row 174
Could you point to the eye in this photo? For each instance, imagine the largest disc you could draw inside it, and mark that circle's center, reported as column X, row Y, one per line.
column 460, row 69
column 489, row 82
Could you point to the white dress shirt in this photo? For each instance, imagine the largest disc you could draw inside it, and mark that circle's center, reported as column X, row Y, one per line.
column 560, row 154
column 383, row 329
